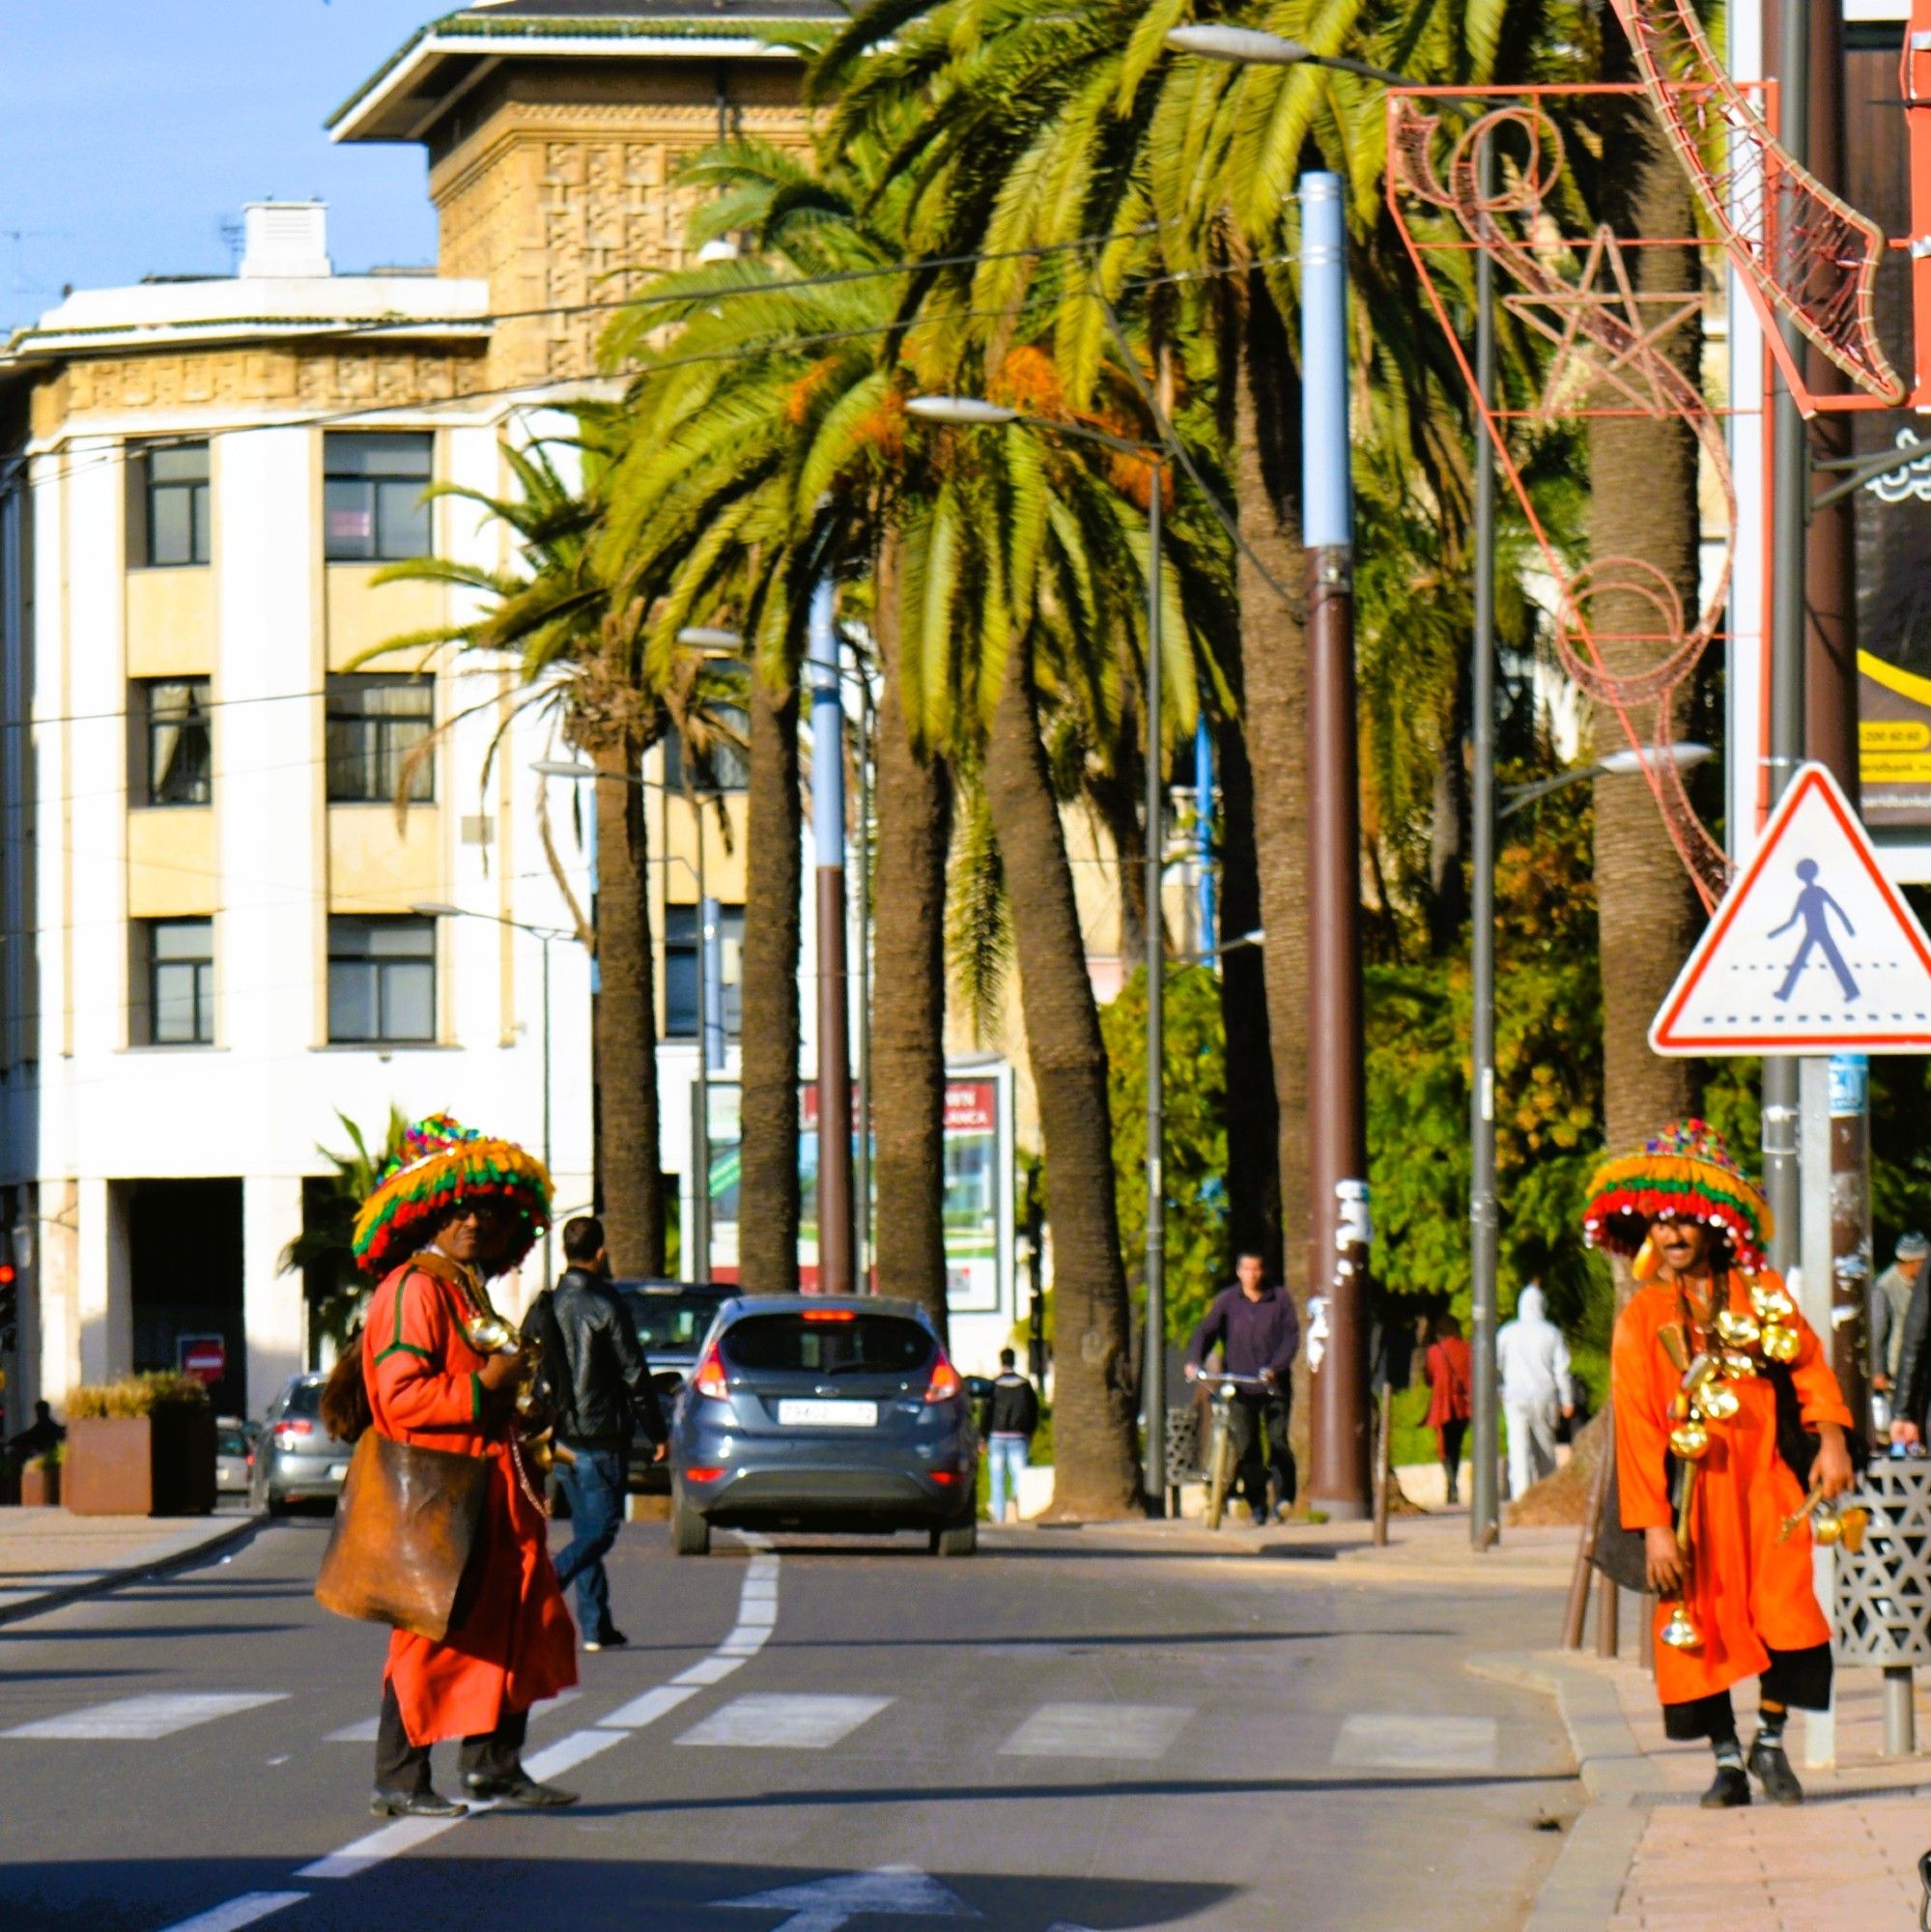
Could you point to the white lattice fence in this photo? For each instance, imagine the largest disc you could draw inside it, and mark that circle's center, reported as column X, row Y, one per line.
column 1884, row 1592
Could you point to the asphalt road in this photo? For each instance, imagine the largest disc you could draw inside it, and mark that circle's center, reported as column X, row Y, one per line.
column 1065, row 1732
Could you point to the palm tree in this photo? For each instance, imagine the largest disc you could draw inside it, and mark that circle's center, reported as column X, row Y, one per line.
column 324, row 1252
column 578, row 643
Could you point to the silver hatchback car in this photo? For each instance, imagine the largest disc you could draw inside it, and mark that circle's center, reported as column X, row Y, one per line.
column 824, row 1412
column 295, row 1457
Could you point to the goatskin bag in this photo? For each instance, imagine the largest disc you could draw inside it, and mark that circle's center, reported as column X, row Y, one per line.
column 406, row 1527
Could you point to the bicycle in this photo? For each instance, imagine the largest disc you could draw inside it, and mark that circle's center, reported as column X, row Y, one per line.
column 1222, row 1451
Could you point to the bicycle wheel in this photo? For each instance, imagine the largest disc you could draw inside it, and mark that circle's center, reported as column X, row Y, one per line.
column 1219, row 1471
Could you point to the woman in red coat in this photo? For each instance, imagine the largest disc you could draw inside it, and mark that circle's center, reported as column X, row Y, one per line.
column 1449, row 1365
column 453, row 1209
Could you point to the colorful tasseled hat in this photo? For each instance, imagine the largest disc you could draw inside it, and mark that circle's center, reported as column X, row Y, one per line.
column 1686, row 1172
column 441, row 1163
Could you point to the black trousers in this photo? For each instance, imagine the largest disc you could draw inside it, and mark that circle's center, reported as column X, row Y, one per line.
column 1258, row 1423
column 403, row 1767
column 1799, row 1680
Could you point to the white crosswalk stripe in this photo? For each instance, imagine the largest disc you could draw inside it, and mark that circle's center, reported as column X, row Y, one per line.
column 797, row 1722
column 1098, row 1730
column 1395, row 1742
column 237, row 1912
column 159, row 1715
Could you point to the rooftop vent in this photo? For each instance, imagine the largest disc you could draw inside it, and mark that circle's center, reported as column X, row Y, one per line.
column 285, row 238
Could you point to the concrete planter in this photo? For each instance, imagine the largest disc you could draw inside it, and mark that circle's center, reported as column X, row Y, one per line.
column 40, row 1488
column 160, row 1464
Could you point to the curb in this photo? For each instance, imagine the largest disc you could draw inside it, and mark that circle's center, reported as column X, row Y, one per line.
column 98, row 1584
column 1585, row 1884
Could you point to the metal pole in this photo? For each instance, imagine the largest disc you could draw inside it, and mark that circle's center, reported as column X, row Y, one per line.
column 827, row 824
column 1485, row 1516
column 698, row 1260
column 1208, row 948
column 1153, row 1351
column 548, row 1165
column 1337, row 1137
column 1900, row 1715
column 867, row 726
column 1791, row 482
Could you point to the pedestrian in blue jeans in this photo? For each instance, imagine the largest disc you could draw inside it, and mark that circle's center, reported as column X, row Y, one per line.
column 1012, row 1419
column 599, row 1386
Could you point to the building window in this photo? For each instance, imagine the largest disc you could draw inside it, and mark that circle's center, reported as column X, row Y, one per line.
column 724, row 769
column 374, row 726
column 680, row 969
column 174, row 977
column 167, row 504
column 372, row 496
column 381, row 979
column 172, row 751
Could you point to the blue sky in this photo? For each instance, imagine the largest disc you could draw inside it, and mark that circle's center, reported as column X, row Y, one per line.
column 130, row 131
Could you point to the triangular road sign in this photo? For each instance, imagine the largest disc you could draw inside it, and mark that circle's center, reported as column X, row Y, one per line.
column 1812, row 950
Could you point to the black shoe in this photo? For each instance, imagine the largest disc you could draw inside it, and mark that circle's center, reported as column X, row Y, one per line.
column 611, row 1639
column 1728, row 1789
column 414, row 1805
column 1772, row 1772
column 520, row 1791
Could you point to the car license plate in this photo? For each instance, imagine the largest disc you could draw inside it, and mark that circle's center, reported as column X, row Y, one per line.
column 803, row 1414
column 337, row 1471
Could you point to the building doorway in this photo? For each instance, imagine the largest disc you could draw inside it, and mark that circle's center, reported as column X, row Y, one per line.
column 184, row 1278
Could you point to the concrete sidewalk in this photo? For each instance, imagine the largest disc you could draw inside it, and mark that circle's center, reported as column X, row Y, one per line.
column 48, row 1557
column 1645, row 1859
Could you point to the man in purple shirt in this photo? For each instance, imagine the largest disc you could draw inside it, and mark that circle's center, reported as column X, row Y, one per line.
column 1258, row 1332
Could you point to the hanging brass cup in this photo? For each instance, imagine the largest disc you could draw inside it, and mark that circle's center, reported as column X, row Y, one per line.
column 1716, row 1401
column 1688, row 1440
column 1772, row 1305
column 1738, row 1331
column 1679, row 1632
column 490, row 1335
column 1780, row 1343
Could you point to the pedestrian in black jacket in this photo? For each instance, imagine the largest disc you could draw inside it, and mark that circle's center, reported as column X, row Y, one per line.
column 1012, row 1419
column 600, row 1385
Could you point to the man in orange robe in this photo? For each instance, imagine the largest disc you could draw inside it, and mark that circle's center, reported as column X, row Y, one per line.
column 513, row 1643
column 1694, row 1226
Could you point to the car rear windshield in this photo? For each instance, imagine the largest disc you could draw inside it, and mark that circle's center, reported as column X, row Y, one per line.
column 670, row 1324
column 304, row 1398
column 231, row 1441
column 833, row 1342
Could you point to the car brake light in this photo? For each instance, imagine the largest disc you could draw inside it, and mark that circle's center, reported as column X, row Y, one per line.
column 831, row 1314
column 287, row 1429
column 944, row 1475
column 709, row 1377
column 944, row 1382
column 702, row 1475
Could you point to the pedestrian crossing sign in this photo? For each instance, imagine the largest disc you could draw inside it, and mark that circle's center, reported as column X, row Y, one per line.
column 1813, row 949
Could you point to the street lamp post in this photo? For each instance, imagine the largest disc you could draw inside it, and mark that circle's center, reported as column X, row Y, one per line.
column 546, row 935
column 828, row 828
column 973, row 410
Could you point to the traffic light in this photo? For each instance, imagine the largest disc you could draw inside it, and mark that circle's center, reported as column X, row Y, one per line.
column 10, row 1307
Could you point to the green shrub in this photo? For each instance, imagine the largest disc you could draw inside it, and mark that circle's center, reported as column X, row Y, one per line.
column 136, row 1395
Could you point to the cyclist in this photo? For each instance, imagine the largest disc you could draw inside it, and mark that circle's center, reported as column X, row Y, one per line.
column 1255, row 1326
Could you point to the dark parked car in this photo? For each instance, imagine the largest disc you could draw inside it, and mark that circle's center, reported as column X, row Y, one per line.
column 672, row 1319
column 824, row 1412
column 295, row 1457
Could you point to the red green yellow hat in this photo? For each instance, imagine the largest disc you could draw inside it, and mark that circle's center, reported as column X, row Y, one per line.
column 440, row 1165
column 1685, row 1174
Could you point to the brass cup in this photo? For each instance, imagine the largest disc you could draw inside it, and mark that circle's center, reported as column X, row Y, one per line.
column 1772, row 1305
column 1679, row 1632
column 1825, row 1527
column 1852, row 1523
column 1780, row 1343
column 1739, row 1331
column 490, row 1335
column 1739, row 1368
column 1688, row 1440
column 1718, row 1403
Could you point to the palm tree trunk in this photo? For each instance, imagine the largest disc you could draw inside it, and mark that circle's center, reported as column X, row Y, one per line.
column 768, row 1151
column 1273, row 681
column 1644, row 489
column 630, row 1179
column 1096, row 1471
column 908, row 1001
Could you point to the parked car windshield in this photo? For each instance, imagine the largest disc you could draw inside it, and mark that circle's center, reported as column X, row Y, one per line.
column 830, row 1341
column 670, row 1324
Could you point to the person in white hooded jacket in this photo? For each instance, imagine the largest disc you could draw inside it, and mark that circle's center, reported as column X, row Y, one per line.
column 1533, row 1360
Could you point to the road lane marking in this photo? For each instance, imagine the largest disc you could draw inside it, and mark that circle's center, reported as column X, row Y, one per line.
column 1394, row 1741
column 361, row 1732
column 237, row 1912
column 824, row 1904
column 655, row 1703
column 710, row 1670
column 143, row 1719
column 1098, row 1730
column 406, row 1834
column 797, row 1720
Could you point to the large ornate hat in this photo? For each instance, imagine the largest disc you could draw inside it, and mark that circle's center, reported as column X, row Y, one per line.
column 1685, row 1172
column 441, row 1164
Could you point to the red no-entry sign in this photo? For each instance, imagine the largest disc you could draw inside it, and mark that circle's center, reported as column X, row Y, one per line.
column 205, row 1356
